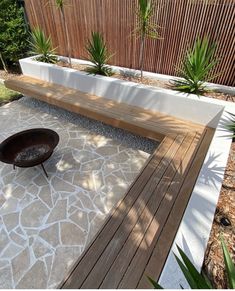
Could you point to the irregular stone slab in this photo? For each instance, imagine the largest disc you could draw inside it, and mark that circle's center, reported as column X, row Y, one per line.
column 3, row 263
column 71, row 234
column 48, row 261
column 86, row 201
column 60, row 185
column 80, row 218
column 2, row 200
column 9, row 206
column 40, row 180
column 11, row 251
column 51, row 234
column 11, row 220
column 25, row 201
column 94, row 165
column 20, row 264
column 122, row 157
column 67, row 163
column 18, row 192
column 40, row 249
column 63, row 260
column 4, row 240
column 18, row 239
column 35, row 278
column 34, row 214
column 84, row 180
column 6, row 278
column 76, row 143
column 59, row 212
column 85, row 156
column 32, row 190
column 107, row 150
column 45, row 196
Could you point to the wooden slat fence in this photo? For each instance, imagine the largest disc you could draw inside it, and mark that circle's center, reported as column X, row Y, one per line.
column 181, row 22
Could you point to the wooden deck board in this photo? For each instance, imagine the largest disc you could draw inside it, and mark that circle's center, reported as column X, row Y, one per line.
column 162, row 246
column 136, row 237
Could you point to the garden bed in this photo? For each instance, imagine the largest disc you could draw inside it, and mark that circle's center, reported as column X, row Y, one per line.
column 134, row 76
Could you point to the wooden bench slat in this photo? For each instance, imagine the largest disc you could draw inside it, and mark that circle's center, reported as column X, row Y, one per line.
column 130, row 279
column 162, row 247
column 111, row 112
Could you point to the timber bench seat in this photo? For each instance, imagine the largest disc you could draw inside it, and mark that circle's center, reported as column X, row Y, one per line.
column 137, row 120
column 137, row 235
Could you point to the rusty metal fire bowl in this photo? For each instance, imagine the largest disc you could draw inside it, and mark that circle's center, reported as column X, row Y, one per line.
column 29, row 148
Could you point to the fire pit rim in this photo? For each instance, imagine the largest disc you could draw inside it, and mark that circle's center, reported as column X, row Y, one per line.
column 48, row 132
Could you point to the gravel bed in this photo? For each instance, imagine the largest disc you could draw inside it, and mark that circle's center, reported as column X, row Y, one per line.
column 129, row 139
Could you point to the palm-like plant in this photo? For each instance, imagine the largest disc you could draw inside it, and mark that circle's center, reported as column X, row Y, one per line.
column 197, row 280
column 196, row 67
column 99, row 55
column 42, row 45
column 146, row 28
column 60, row 4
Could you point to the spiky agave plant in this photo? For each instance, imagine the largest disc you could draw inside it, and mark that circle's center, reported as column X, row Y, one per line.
column 99, row 55
column 231, row 125
column 196, row 68
column 42, row 45
column 197, row 280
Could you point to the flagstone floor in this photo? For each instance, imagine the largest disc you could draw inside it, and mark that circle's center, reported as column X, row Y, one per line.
column 45, row 224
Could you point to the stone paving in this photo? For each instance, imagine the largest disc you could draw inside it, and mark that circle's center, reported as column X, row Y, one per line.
column 45, row 224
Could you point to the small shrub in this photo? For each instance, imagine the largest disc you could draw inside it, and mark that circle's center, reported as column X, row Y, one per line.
column 13, row 34
column 196, row 67
column 98, row 55
column 41, row 45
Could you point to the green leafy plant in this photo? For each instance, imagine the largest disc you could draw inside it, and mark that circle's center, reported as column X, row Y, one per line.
column 99, row 55
column 229, row 265
column 231, row 125
column 196, row 68
column 146, row 28
column 197, row 280
column 42, row 45
column 13, row 34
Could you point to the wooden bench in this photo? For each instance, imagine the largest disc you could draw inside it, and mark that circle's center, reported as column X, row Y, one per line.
column 137, row 236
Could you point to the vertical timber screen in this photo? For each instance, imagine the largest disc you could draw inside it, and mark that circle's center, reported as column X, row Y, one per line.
column 181, row 22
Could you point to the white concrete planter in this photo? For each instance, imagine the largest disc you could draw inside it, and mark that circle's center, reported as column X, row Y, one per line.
column 158, row 99
column 193, row 233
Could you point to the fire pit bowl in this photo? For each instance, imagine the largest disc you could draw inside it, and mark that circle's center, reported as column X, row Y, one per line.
column 29, row 148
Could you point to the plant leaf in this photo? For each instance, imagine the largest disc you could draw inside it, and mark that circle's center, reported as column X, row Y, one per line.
column 154, row 283
column 230, row 268
column 194, row 278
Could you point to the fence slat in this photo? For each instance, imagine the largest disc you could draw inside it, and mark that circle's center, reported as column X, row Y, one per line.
column 182, row 21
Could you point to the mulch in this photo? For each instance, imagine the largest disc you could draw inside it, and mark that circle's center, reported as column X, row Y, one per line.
column 225, row 212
